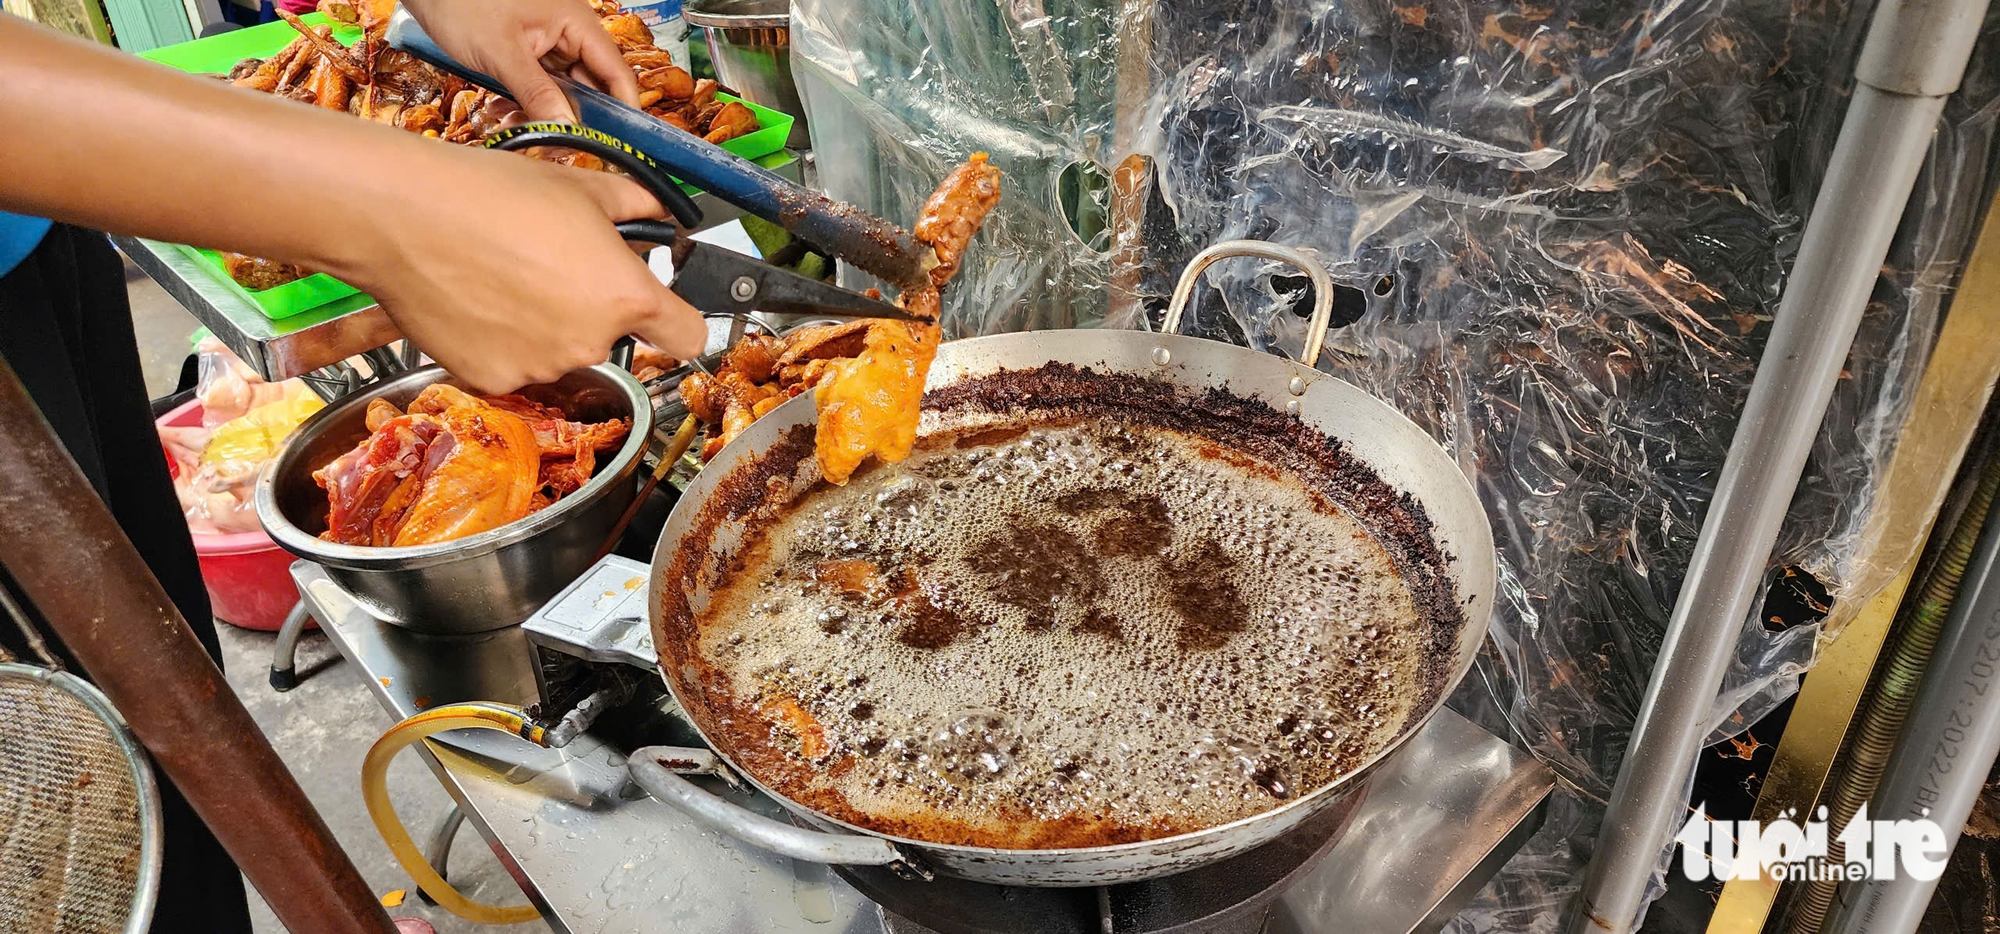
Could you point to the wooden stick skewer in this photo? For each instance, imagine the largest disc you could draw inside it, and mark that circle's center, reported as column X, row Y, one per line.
column 683, row 438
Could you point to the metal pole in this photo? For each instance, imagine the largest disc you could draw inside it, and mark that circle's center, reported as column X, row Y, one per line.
column 1915, row 54
column 69, row 556
column 1941, row 760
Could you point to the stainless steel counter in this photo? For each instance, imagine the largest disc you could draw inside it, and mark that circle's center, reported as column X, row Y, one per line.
column 324, row 336
column 595, row 856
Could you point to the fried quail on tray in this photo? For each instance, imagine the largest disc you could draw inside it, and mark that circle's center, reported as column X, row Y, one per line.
column 375, row 82
column 867, row 375
column 456, row 464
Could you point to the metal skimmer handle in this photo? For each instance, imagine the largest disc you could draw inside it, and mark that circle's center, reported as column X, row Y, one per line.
column 650, row 767
column 1263, row 249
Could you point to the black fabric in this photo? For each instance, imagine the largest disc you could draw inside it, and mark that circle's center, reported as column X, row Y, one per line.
column 66, row 329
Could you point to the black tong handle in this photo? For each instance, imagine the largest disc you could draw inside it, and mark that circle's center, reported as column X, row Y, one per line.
column 636, row 164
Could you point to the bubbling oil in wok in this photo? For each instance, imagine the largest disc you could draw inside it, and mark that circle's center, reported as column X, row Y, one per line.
column 1067, row 634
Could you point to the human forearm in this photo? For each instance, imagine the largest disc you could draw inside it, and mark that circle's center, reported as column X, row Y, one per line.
column 124, row 145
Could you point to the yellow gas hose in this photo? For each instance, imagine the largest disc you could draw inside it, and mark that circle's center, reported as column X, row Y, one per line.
column 375, row 790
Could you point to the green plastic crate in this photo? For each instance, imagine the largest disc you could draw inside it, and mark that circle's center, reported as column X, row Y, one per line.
column 216, row 55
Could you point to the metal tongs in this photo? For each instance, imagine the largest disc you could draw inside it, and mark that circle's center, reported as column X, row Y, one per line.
column 711, row 278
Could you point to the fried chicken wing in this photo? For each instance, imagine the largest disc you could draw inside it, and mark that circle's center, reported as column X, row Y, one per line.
column 955, row 212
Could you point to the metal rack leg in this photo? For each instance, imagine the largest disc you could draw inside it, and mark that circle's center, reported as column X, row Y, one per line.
column 438, row 851
column 284, row 656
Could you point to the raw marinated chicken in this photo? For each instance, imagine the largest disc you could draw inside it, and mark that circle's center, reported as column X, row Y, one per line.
column 868, row 375
column 456, row 464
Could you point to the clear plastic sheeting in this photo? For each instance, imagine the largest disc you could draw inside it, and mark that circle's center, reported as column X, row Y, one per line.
column 1560, row 230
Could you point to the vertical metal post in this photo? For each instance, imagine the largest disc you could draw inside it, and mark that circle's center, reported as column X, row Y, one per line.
column 1915, row 54
column 67, row 553
column 1941, row 760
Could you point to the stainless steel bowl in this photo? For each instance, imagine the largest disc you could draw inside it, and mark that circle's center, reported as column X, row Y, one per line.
column 750, row 45
column 473, row 584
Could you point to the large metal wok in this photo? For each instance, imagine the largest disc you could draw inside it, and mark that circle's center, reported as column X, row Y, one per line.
column 1372, row 432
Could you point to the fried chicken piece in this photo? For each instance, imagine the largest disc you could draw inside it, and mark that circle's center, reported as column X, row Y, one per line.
column 867, row 376
column 363, row 13
column 257, row 274
column 647, row 59
column 421, row 118
column 333, row 53
column 787, row 715
column 296, row 68
column 703, row 115
column 869, row 405
column 672, row 82
column 851, row 577
column 330, row 88
column 703, row 94
column 630, row 31
column 702, row 396
column 265, row 77
column 649, row 361
column 482, row 480
column 401, row 75
column 732, row 121
column 755, row 357
column 825, row 342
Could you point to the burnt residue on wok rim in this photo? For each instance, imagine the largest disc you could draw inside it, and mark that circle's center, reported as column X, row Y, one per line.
column 1246, row 431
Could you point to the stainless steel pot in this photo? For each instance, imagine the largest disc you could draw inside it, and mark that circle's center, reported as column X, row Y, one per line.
column 749, row 42
column 473, row 584
column 1379, row 436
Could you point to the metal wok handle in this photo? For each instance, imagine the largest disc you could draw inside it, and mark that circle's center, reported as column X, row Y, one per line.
column 756, row 829
column 1263, row 249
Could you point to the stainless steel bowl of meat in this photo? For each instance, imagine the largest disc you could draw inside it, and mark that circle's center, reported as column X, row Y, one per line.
column 449, row 512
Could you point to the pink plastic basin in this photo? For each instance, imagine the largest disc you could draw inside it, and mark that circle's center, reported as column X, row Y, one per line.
column 247, row 575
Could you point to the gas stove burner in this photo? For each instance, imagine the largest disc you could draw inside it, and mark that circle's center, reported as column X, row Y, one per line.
column 1229, row 897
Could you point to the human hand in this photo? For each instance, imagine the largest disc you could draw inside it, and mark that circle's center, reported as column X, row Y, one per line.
column 521, row 41
column 508, row 271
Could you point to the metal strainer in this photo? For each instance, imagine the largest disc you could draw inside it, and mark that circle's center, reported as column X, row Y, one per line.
column 79, row 810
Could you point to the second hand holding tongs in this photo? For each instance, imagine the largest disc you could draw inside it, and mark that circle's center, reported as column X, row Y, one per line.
column 841, row 230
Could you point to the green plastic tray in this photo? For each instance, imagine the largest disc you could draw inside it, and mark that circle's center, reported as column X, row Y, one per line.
column 216, row 55
column 295, row 297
